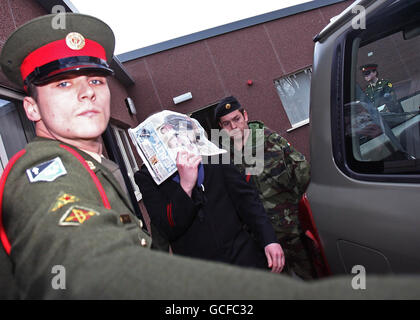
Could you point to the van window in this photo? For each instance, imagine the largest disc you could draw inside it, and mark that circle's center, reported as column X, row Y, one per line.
column 382, row 114
column 15, row 129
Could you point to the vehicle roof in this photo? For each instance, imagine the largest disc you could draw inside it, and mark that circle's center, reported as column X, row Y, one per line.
column 338, row 21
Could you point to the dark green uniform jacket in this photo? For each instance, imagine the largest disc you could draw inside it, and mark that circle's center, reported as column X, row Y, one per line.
column 69, row 212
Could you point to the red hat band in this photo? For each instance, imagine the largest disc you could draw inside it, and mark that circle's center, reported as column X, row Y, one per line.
column 369, row 68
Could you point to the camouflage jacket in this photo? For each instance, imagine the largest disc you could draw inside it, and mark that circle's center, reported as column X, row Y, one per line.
column 285, row 174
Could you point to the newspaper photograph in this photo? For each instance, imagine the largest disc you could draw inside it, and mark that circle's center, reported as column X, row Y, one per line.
column 161, row 136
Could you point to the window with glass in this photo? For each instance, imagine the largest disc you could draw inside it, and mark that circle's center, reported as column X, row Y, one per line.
column 15, row 129
column 382, row 97
column 294, row 93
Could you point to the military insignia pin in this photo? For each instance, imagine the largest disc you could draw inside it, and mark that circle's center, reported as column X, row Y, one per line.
column 76, row 216
column 47, row 171
column 75, row 41
column 125, row 218
column 91, row 165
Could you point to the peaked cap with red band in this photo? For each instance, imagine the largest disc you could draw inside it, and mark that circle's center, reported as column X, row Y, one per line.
column 40, row 50
column 369, row 67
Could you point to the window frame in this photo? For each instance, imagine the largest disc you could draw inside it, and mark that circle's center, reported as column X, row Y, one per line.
column 28, row 127
column 342, row 76
column 130, row 170
column 301, row 122
column 3, row 156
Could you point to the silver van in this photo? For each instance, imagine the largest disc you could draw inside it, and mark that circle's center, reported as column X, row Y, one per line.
column 363, row 200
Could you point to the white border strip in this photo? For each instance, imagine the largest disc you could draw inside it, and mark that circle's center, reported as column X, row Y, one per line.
column 298, row 125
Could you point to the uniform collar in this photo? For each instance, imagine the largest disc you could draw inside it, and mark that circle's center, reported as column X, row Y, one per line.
column 98, row 157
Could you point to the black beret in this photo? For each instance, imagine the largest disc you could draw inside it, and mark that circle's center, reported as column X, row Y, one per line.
column 226, row 106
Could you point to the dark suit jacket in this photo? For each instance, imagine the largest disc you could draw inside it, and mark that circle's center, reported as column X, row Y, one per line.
column 209, row 225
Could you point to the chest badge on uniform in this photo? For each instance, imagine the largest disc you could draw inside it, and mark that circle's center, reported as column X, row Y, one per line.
column 47, row 171
column 62, row 200
column 76, row 216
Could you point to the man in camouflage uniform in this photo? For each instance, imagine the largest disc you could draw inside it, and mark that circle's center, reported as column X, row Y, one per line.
column 380, row 91
column 281, row 178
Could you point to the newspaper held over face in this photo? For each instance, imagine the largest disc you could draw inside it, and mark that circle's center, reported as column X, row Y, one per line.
column 160, row 137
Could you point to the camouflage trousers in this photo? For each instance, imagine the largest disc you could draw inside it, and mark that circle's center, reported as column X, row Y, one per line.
column 296, row 246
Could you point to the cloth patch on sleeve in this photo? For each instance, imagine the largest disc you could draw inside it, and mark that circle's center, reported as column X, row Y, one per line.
column 62, row 200
column 47, row 171
column 76, row 216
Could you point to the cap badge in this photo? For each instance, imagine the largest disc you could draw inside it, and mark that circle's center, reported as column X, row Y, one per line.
column 228, row 106
column 75, row 41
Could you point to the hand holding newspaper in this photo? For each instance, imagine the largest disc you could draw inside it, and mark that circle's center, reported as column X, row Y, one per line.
column 160, row 137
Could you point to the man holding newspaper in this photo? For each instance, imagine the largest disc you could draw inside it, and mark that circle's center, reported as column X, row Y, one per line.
column 200, row 208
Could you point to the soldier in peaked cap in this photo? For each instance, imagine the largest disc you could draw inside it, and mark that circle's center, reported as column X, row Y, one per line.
column 380, row 91
column 281, row 181
column 60, row 188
